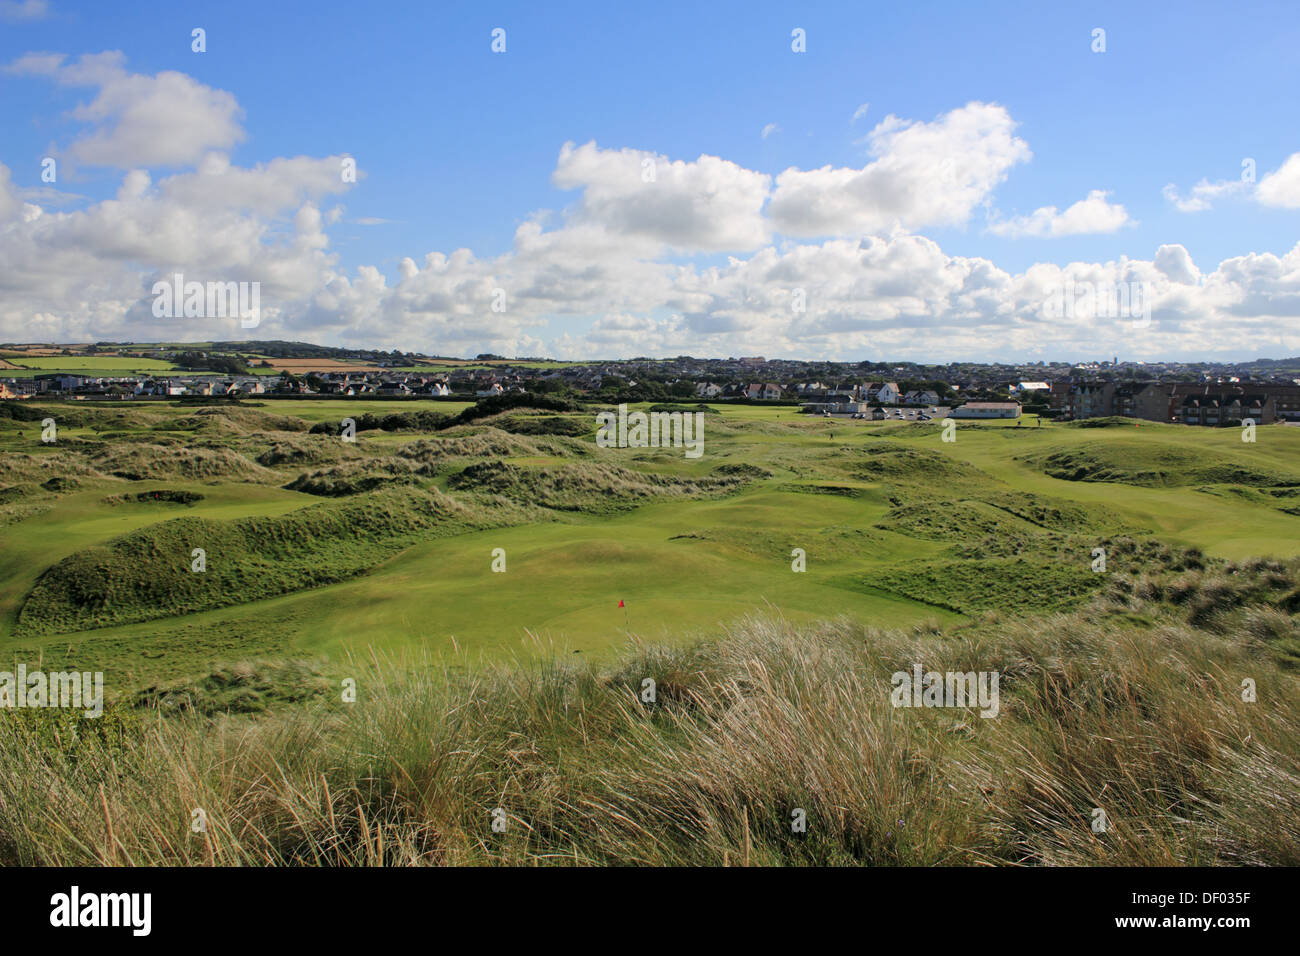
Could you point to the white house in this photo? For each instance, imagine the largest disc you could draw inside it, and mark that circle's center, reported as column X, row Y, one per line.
column 883, row 393
column 921, row 396
column 708, row 390
column 987, row 410
column 493, row 389
column 1033, row 387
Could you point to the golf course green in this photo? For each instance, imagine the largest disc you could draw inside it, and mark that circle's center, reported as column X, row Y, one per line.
column 319, row 547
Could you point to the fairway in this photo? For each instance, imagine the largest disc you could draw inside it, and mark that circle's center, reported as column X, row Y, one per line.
column 563, row 582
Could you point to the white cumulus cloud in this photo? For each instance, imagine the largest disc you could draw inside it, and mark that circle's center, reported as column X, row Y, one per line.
column 923, row 174
column 168, row 119
column 707, row 205
column 1281, row 187
column 1095, row 214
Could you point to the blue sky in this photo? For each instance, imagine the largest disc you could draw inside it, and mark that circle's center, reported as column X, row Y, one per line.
column 458, row 147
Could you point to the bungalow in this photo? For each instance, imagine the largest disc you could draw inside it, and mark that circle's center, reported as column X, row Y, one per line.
column 987, row 410
column 708, row 390
column 836, row 404
column 493, row 389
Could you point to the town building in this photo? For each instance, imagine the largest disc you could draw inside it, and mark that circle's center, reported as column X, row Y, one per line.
column 987, row 410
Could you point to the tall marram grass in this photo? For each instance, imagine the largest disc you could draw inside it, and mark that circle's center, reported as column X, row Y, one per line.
column 1147, row 724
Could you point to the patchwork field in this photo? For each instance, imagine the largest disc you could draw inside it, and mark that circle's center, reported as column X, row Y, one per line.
column 105, row 366
column 303, row 366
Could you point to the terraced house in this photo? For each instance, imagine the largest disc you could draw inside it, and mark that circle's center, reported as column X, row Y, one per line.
column 1202, row 403
column 1091, row 399
column 1214, row 405
column 1147, row 400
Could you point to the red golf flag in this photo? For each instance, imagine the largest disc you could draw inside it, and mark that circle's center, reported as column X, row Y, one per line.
column 620, row 603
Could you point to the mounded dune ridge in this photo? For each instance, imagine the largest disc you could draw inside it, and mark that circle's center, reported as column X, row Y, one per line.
column 147, row 574
column 1155, row 464
column 586, row 486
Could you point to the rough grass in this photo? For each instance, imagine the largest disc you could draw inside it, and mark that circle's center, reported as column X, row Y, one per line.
column 355, row 478
column 163, row 495
column 303, row 451
column 1054, row 514
column 141, row 462
column 247, row 687
column 740, row 469
column 545, row 425
column 587, row 487
column 893, row 461
column 482, row 443
column 973, row 585
column 23, row 467
column 1149, row 726
column 1153, row 464
column 946, row 521
column 236, row 419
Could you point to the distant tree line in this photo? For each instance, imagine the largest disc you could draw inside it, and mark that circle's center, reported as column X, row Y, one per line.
column 225, row 364
column 496, row 404
column 401, row 421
